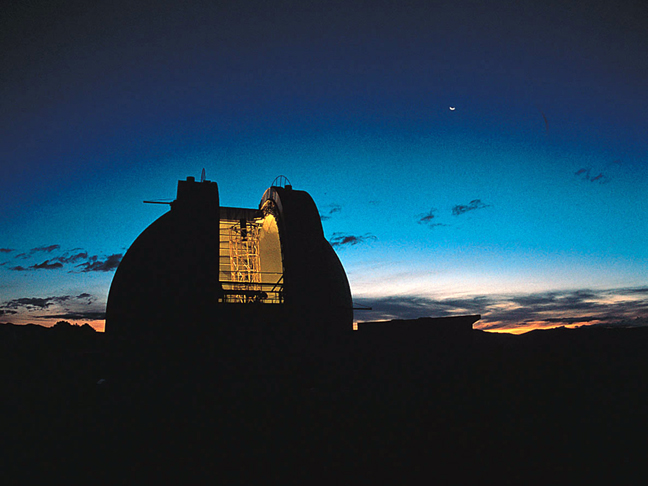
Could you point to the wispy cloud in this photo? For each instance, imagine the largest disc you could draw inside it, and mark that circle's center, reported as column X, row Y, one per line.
column 83, row 261
column 77, row 316
column 47, row 249
column 431, row 218
column 602, row 176
column 6, row 250
column 341, row 239
column 586, row 175
column 40, row 249
column 72, row 258
column 335, row 209
column 473, row 205
column 546, row 121
column 521, row 312
column 329, row 211
column 428, row 219
column 31, row 303
column 46, row 265
column 94, row 264
column 77, row 307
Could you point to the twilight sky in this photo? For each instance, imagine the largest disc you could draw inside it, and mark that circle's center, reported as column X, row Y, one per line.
column 466, row 157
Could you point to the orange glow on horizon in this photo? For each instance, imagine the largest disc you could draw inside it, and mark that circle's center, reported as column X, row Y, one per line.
column 532, row 326
column 98, row 325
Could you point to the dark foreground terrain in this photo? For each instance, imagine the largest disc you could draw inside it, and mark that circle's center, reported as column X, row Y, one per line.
column 559, row 406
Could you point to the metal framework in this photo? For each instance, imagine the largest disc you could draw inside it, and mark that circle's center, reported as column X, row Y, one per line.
column 240, row 272
column 281, row 181
column 245, row 261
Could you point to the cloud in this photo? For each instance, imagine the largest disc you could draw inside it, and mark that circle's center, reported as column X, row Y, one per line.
column 86, row 298
column 633, row 291
column 77, row 316
column 40, row 249
column 6, row 250
column 546, row 121
column 403, row 307
column 72, row 258
column 548, row 308
column 428, row 218
column 46, row 265
column 77, row 256
column 613, row 307
column 340, row 239
column 473, row 205
column 47, row 249
column 54, row 307
column 602, row 177
column 31, row 303
column 334, row 208
column 96, row 265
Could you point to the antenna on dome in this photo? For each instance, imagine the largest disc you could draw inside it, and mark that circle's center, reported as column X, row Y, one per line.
column 202, row 175
column 281, row 181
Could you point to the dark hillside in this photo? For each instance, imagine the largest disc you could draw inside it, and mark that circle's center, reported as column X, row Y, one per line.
column 560, row 406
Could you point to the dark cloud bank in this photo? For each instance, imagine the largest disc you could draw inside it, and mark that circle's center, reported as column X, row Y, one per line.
column 70, row 305
column 77, row 316
column 544, row 309
column 82, row 261
column 31, row 303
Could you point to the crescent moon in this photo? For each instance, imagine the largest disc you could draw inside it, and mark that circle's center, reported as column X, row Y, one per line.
column 452, row 108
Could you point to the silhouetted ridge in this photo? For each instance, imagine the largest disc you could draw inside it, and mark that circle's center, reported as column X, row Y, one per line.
column 565, row 403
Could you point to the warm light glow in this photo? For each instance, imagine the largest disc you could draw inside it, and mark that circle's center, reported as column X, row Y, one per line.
column 252, row 262
column 270, row 246
column 531, row 326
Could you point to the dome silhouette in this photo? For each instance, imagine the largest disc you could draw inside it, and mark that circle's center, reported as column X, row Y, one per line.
column 202, row 266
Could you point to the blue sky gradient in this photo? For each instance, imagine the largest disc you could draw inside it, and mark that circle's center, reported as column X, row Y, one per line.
column 529, row 196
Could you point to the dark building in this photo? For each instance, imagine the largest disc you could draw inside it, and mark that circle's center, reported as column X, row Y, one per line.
column 247, row 292
column 203, row 266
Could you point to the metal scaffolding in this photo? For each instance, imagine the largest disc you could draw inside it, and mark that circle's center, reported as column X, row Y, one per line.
column 245, row 261
column 241, row 272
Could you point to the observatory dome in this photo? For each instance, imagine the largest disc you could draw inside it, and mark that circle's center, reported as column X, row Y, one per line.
column 202, row 266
